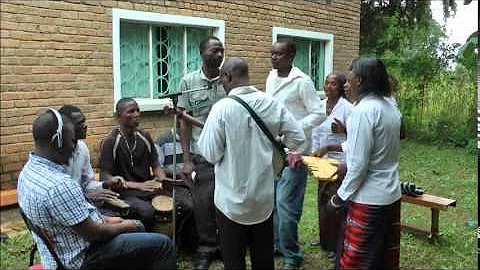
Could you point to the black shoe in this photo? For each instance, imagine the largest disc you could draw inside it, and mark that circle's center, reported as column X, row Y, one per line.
column 201, row 261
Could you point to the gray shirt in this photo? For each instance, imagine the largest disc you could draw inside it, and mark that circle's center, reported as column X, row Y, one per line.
column 199, row 103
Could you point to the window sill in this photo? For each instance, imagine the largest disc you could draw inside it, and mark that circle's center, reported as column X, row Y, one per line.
column 150, row 104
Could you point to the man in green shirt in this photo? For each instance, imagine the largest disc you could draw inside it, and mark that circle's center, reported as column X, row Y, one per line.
column 198, row 104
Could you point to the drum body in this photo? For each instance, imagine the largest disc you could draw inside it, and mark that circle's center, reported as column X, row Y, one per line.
column 163, row 206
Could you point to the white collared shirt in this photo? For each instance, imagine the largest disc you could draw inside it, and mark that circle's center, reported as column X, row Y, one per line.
column 298, row 94
column 322, row 135
column 373, row 146
column 80, row 168
column 242, row 153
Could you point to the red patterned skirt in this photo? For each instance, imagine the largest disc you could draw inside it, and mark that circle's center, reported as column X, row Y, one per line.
column 371, row 237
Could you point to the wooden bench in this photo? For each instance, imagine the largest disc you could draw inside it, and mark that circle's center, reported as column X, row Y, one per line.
column 435, row 204
column 8, row 197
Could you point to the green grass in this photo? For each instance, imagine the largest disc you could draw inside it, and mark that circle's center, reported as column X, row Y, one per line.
column 442, row 170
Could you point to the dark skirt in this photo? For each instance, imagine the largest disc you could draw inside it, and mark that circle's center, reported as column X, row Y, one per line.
column 371, row 237
column 329, row 223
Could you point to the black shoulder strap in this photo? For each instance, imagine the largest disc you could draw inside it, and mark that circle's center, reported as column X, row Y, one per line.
column 261, row 124
column 38, row 231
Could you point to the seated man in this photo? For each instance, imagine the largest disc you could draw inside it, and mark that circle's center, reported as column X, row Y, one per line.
column 185, row 224
column 82, row 238
column 80, row 168
column 129, row 153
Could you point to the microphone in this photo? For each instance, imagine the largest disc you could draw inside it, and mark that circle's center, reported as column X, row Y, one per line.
column 178, row 93
column 170, row 95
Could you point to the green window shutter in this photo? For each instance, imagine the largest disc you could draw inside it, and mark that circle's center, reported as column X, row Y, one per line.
column 302, row 60
column 175, row 53
column 194, row 37
column 134, row 62
column 168, row 57
column 318, row 64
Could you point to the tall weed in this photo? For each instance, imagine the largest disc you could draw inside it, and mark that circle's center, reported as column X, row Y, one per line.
column 442, row 110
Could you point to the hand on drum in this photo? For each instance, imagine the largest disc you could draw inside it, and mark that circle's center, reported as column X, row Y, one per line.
column 147, row 186
column 115, row 183
column 101, row 195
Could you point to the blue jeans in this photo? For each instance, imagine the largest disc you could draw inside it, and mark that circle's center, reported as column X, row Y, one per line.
column 289, row 193
column 136, row 250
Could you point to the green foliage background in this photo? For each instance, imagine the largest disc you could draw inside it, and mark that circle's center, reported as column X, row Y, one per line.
column 437, row 101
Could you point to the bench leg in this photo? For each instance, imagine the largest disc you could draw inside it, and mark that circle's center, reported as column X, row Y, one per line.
column 434, row 229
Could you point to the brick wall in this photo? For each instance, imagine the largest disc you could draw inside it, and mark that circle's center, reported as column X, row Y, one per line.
column 55, row 53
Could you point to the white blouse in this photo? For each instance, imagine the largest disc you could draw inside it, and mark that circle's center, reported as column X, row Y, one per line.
column 322, row 135
column 372, row 154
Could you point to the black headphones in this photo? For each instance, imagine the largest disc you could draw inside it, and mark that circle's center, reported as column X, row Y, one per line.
column 57, row 139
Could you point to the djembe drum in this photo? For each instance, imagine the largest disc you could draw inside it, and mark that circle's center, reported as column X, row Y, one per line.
column 118, row 205
column 163, row 206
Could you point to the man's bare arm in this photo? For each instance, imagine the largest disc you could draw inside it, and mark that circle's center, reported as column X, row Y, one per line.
column 93, row 231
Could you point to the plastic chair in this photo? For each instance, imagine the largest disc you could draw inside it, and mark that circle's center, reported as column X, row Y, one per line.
column 46, row 239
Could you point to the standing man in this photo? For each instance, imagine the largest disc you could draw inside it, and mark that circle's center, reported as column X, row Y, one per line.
column 295, row 90
column 80, row 168
column 129, row 153
column 198, row 105
column 244, row 188
column 55, row 203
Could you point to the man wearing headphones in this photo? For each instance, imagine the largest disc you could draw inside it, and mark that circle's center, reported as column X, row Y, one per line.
column 82, row 237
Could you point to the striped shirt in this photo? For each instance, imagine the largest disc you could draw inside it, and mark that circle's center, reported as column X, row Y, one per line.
column 54, row 202
column 166, row 150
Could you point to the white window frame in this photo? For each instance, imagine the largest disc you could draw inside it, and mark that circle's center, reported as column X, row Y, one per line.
column 324, row 37
column 118, row 15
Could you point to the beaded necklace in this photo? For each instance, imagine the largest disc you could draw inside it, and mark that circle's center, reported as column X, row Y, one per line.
column 130, row 149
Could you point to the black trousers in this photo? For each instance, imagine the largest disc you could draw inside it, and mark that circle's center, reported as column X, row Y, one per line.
column 235, row 238
column 204, row 208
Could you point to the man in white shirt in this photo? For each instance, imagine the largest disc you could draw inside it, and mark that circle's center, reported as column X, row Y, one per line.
column 244, row 178
column 80, row 168
column 295, row 90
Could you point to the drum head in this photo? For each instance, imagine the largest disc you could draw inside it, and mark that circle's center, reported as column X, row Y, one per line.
column 162, row 203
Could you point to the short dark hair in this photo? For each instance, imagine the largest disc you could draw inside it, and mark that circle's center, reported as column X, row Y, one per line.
column 68, row 110
column 45, row 126
column 203, row 43
column 290, row 45
column 373, row 76
column 121, row 103
column 240, row 68
column 340, row 79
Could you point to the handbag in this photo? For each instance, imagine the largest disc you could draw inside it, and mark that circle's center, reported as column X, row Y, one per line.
column 279, row 157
